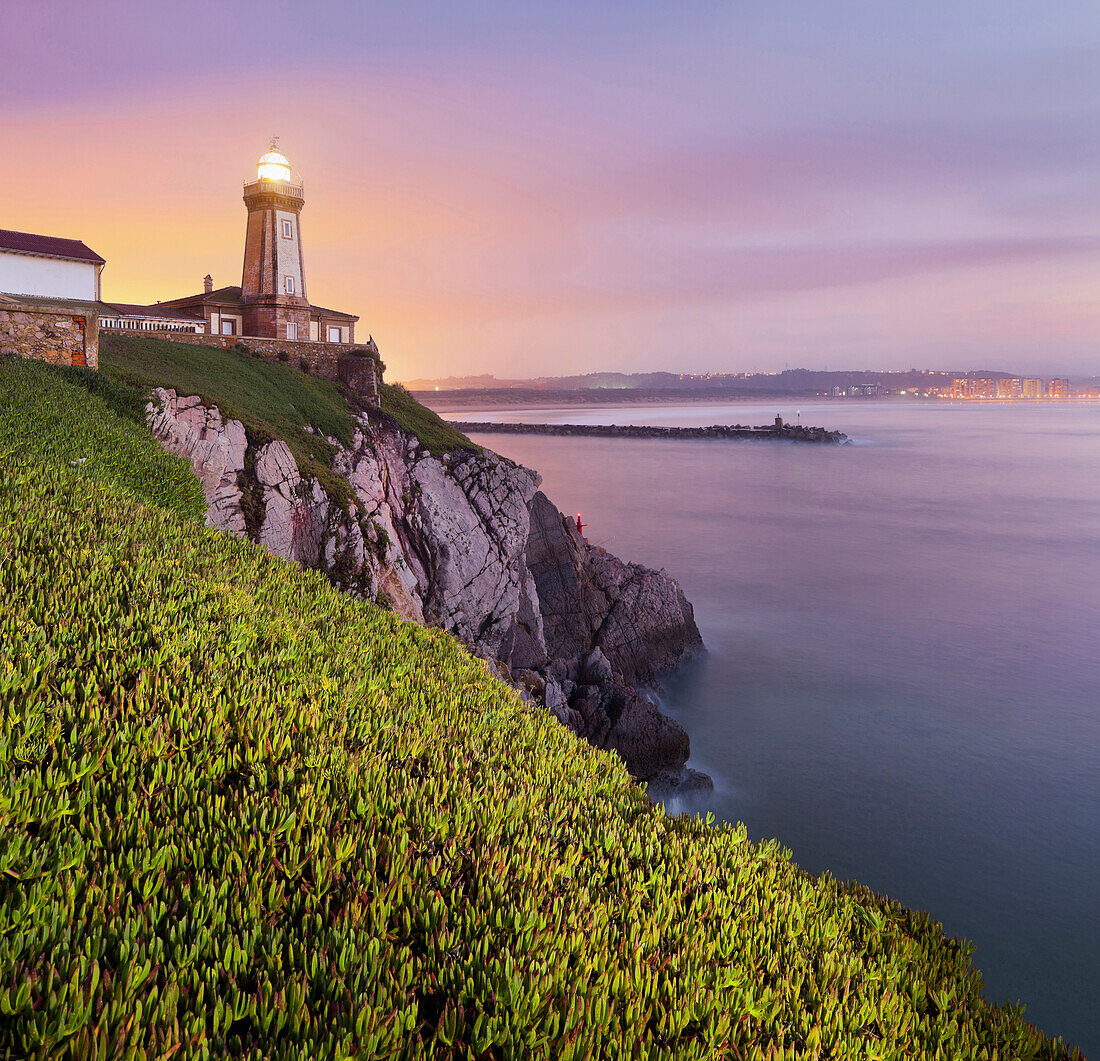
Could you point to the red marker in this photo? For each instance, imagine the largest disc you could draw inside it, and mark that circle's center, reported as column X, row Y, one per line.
column 580, row 525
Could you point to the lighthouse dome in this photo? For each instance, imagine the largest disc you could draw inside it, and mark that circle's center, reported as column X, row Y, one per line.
column 273, row 166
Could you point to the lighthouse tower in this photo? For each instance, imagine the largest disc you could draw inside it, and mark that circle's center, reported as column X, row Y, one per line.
column 273, row 287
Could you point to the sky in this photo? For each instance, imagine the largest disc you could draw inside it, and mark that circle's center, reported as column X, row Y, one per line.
column 537, row 188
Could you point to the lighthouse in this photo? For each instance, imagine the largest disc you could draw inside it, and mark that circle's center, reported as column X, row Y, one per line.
column 273, row 285
column 271, row 303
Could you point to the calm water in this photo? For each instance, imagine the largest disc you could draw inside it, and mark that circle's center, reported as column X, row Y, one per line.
column 903, row 682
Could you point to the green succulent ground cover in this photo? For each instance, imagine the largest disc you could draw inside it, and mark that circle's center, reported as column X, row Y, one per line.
column 244, row 815
column 76, row 418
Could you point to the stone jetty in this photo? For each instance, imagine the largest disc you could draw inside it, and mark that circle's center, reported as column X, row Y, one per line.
column 776, row 432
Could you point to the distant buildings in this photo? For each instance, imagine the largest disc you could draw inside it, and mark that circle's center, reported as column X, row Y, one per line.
column 1010, row 388
column 974, row 388
column 857, row 390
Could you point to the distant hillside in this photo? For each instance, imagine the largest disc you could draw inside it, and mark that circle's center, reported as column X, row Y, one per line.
column 795, row 381
column 607, row 387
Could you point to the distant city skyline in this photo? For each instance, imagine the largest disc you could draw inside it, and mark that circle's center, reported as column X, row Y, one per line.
column 552, row 188
column 797, row 384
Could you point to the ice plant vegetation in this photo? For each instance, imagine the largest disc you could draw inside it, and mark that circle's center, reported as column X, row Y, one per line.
column 244, row 815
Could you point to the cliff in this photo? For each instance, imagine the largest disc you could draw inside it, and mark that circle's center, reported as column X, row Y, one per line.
column 467, row 542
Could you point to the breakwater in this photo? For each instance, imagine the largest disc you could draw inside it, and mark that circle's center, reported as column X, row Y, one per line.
column 777, row 432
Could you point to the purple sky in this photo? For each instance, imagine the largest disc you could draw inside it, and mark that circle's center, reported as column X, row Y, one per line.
column 537, row 188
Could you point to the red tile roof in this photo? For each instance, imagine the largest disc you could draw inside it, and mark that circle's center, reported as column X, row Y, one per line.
column 231, row 296
column 333, row 312
column 52, row 246
column 224, row 296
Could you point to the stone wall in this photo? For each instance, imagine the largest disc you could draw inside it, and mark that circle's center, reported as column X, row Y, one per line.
column 355, row 364
column 362, row 374
column 57, row 331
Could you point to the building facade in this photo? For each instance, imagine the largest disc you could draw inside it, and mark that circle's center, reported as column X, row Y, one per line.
column 49, row 291
column 49, row 266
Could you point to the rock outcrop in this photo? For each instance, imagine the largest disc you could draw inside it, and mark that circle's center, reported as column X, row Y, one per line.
column 215, row 448
column 638, row 619
column 469, row 542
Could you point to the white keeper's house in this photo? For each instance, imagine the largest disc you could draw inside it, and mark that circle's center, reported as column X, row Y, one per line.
column 49, row 298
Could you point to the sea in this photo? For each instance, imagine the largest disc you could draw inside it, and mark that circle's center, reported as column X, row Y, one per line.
column 902, row 680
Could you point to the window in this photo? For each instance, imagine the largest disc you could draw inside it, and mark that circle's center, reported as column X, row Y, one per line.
column 229, row 327
column 292, row 331
column 334, row 335
column 288, row 282
column 288, row 230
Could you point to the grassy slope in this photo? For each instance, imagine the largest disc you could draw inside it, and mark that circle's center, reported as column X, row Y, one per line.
column 272, row 400
column 244, row 815
column 437, row 435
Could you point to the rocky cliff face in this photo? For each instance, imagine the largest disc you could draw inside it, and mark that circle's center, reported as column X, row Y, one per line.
column 468, row 542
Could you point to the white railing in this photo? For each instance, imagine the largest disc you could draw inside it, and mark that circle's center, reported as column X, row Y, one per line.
column 159, row 324
column 271, row 187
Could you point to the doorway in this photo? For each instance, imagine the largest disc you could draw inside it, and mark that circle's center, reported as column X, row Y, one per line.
column 80, row 356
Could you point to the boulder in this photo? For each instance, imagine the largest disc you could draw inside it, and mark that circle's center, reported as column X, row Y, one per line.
column 683, row 782
column 472, row 524
column 532, row 681
column 596, row 667
column 647, row 740
column 215, row 449
column 295, row 511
